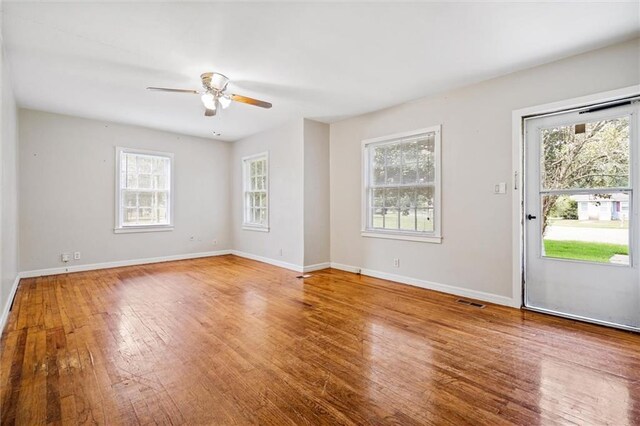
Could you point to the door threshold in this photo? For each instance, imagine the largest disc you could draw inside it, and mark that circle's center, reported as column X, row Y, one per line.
column 582, row 319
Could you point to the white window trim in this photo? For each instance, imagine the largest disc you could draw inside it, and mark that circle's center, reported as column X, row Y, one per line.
column 252, row 226
column 431, row 237
column 119, row 228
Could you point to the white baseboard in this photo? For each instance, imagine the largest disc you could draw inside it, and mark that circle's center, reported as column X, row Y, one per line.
column 7, row 306
column 119, row 263
column 316, row 267
column 268, row 260
column 430, row 285
column 343, row 267
column 281, row 264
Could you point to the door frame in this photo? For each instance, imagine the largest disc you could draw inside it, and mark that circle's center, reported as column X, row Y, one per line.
column 518, row 170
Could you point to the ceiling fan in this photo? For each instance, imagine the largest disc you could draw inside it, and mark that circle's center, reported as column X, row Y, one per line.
column 214, row 95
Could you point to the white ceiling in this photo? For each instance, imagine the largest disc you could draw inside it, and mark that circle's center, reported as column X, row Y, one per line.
column 324, row 61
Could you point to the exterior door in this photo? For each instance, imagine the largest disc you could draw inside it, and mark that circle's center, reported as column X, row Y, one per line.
column 581, row 218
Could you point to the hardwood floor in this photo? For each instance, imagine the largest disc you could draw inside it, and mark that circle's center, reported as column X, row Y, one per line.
column 227, row 340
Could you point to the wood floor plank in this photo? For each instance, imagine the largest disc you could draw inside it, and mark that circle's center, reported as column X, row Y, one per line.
column 226, row 340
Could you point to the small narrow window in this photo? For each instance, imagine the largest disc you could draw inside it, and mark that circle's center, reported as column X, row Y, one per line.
column 256, row 192
column 401, row 193
column 143, row 191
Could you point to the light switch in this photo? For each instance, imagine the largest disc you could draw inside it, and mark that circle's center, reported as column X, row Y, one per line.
column 500, row 188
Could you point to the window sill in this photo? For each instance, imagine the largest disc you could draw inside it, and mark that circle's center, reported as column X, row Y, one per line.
column 134, row 229
column 402, row 236
column 255, row 228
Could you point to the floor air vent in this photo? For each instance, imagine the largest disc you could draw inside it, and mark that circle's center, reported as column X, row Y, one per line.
column 470, row 303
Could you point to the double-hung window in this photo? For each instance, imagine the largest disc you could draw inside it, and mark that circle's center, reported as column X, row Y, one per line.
column 143, row 191
column 401, row 194
column 255, row 172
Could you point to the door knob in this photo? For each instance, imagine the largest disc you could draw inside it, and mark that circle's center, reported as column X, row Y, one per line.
column 530, row 217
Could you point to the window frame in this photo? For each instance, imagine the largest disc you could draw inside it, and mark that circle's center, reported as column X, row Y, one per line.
column 120, row 228
column 246, row 161
column 434, row 236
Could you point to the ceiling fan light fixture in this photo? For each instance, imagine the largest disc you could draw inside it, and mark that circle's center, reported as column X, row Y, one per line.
column 209, row 101
column 219, row 81
column 225, row 101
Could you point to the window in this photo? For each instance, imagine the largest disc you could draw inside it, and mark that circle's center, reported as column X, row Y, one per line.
column 401, row 194
column 143, row 191
column 256, row 192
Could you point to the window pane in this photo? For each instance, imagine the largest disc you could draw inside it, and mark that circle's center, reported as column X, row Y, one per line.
column 596, row 156
column 426, row 147
column 377, row 197
column 145, row 199
column 160, row 182
column 263, row 199
column 145, row 164
column 131, row 182
column 409, row 152
column 424, row 197
column 160, row 165
column 407, row 197
column 263, row 216
column 592, row 228
column 145, row 215
column 409, row 173
column 426, row 164
column 392, row 154
column 253, row 167
column 144, row 181
column 253, row 186
column 130, row 215
column 130, row 199
column 408, row 219
column 258, row 168
column 162, row 199
column 162, row 215
column 377, row 171
column 391, row 197
column 391, row 217
column 393, row 175
column 424, row 220
column 377, row 220
column 130, row 163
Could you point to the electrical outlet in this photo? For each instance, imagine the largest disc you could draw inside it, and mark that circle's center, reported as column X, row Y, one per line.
column 65, row 257
column 396, row 263
column 76, row 255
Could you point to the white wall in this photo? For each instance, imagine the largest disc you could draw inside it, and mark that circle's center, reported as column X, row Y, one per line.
column 285, row 147
column 9, row 189
column 316, row 193
column 67, row 191
column 476, row 153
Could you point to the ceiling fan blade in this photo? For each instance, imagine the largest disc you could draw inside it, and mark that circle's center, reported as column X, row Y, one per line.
column 251, row 101
column 209, row 112
column 165, row 89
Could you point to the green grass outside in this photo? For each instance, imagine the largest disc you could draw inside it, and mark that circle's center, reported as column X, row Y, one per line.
column 581, row 250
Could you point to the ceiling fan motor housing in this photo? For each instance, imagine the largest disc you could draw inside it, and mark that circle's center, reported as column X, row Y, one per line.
column 214, row 81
